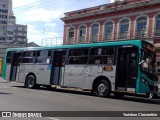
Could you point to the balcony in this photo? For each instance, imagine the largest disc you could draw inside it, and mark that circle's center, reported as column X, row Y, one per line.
column 70, row 40
column 108, row 37
column 141, row 34
column 123, row 36
column 81, row 39
column 94, row 38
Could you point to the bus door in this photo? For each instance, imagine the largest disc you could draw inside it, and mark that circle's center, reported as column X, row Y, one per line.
column 15, row 65
column 126, row 73
column 58, row 65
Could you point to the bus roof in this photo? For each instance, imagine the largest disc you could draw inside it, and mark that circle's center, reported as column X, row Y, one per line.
column 108, row 43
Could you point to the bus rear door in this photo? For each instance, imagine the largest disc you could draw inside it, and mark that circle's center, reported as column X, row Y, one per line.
column 126, row 73
column 58, row 64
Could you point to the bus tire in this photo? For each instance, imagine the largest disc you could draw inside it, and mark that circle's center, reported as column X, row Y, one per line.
column 102, row 88
column 31, row 81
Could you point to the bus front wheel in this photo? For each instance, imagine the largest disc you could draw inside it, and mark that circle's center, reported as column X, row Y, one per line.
column 31, row 81
column 102, row 88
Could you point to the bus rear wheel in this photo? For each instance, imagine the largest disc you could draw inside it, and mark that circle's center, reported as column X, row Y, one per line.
column 102, row 88
column 31, row 82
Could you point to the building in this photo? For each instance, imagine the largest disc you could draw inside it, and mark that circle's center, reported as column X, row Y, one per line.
column 5, row 11
column 20, row 34
column 10, row 32
column 32, row 44
column 120, row 20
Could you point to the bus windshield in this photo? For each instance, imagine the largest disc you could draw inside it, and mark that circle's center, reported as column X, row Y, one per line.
column 148, row 60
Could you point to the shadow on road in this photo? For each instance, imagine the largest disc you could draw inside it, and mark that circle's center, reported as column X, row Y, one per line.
column 131, row 98
column 2, row 93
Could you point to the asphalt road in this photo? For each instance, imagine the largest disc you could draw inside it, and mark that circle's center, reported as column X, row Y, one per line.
column 13, row 97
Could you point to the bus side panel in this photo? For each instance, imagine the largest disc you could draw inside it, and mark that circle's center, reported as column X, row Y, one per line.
column 98, row 70
column 42, row 74
column 61, row 79
column 74, row 76
column 25, row 69
column 8, row 70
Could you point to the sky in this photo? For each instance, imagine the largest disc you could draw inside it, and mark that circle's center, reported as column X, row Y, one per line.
column 43, row 16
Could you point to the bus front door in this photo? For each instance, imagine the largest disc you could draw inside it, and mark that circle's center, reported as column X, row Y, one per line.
column 58, row 63
column 126, row 73
column 14, row 73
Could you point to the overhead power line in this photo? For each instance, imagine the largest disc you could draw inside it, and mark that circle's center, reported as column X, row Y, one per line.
column 34, row 6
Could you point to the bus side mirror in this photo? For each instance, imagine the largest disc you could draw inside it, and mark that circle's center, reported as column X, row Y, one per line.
column 141, row 62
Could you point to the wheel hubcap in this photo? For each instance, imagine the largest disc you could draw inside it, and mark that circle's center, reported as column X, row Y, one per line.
column 151, row 95
column 102, row 88
column 31, row 82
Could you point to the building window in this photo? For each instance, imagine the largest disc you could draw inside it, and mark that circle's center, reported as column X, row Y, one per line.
column 82, row 34
column 141, row 27
column 9, row 38
column 124, row 29
column 2, row 38
column 157, row 25
column 10, row 33
column 108, row 31
column 94, row 32
column 10, row 28
column 70, row 35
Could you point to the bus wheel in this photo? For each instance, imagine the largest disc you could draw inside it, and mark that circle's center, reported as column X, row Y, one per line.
column 31, row 81
column 151, row 95
column 102, row 88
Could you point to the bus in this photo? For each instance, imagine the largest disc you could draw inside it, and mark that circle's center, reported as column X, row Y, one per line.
column 118, row 67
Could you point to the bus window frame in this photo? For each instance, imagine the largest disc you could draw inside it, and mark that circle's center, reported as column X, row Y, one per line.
column 67, row 63
column 49, row 57
column 9, row 57
column 114, row 55
column 29, row 57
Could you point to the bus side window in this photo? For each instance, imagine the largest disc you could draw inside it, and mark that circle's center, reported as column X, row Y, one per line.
column 43, row 56
column 28, row 57
column 102, row 55
column 9, row 57
column 78, row 56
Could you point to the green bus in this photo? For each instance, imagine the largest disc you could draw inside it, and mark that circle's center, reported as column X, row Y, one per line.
column 118, row 67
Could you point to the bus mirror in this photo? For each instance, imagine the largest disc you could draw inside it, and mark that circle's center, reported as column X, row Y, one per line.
column 143, row 61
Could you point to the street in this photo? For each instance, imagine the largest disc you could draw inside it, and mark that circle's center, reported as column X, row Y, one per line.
column 14, row 97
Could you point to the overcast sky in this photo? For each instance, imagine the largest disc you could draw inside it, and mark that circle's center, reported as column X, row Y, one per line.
column 43, row 16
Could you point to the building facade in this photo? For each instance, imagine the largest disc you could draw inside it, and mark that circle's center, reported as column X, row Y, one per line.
column 121, row 20
column 5, row 11
column 10, row 32
column 20, row 34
